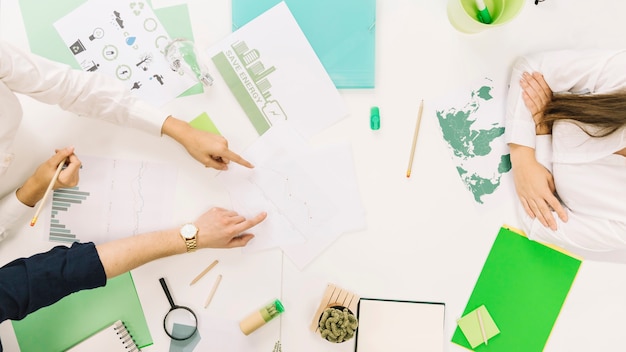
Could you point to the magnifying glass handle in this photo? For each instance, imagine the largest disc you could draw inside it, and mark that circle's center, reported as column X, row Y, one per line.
column 167, row 292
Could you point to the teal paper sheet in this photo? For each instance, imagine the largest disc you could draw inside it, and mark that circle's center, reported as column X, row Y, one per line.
column 342, row 33
column 44, row 40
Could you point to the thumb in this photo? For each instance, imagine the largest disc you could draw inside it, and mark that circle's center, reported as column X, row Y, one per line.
column 241, row 240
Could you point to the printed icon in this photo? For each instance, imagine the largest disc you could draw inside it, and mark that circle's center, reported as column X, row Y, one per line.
column 123, row 72
column 97, row 34
column 110, row 52
column 77, row 47
column 89, row 65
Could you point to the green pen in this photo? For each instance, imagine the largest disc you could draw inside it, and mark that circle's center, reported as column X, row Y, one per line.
column 483, row 13
column 374, row 118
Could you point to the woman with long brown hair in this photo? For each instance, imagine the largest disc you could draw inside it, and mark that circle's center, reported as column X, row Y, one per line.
column 568, row 148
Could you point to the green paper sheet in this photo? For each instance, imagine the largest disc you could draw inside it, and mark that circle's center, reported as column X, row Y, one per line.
column 341, row 32
column 44, row 40
column 524, row 283
column 204, row 123
column 80, row 315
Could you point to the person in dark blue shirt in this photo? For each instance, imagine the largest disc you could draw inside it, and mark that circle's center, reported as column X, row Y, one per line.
column 28, row 284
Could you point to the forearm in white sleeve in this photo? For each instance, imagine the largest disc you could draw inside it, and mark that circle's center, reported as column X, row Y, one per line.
column 12, row 211
column 577, row 71
column 580, row 232
column 85, row 93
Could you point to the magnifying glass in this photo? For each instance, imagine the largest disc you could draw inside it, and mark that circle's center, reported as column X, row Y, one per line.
column 180, row 323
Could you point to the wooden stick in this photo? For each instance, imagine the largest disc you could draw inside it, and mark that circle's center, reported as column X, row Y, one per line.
column 482, row 327
column 45, row 195
column 204, row 272
column 217, row 283
column 417, row 128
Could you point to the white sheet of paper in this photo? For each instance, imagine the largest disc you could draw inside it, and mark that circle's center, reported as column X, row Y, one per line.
column 272, row 70
column 333, row 167
column 311, row 195
column 114, row 199
column 125, row 41
column 400, row 326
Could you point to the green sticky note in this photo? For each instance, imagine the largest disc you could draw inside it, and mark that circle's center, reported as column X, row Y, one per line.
column 82, row 314
column 204, row 123
column 470, row 325
column 524, row 283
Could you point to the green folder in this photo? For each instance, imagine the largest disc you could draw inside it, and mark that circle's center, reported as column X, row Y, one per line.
column 341, row 32
column 524, row 284
column 82, row 314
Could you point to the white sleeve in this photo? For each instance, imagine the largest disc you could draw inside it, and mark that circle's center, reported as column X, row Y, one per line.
column 580, row 232
column 577, row 71
column 12, row 211
column 84, row 93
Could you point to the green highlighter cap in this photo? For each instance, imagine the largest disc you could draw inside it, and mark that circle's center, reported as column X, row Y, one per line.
column 374, row 118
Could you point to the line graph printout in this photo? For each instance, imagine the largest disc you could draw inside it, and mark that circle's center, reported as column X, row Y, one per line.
column 114, row 199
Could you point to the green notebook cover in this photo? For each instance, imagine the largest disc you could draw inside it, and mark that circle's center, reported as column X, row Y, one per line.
column 524, row 285
column 80, row 315
column 341, row 32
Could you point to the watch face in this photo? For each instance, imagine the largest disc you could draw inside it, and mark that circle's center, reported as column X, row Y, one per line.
column 188, row 230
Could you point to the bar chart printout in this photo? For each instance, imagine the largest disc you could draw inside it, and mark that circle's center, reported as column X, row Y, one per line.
column 62, row 200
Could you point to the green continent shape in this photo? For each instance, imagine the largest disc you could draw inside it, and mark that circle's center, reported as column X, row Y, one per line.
column 465, row 142
column 505, row 164
column 479, row 186
column 484, row 93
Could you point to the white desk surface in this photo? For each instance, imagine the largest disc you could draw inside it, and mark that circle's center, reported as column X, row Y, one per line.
column 425, row 239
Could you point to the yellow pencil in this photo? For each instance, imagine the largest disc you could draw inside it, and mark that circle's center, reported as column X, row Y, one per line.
column 204, row 272
column 417, row 128
column 482, row 327
column 217, row 283
column 45, row 195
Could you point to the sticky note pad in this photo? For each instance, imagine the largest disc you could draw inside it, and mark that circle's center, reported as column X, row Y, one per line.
column 203, row 122
column 470, row 325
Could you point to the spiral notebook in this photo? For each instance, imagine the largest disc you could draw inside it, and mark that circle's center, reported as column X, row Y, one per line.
column 112, row 338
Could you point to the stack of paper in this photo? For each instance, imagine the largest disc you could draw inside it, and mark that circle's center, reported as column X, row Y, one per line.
column 310, row 195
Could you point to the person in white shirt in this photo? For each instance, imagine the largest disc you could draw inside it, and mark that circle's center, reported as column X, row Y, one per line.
column 568, row 149
column 87, row 94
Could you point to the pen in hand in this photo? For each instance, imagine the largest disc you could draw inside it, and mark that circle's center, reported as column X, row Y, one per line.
column 45, row 195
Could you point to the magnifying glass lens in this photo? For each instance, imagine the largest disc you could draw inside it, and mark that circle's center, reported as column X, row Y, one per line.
column 180, row 323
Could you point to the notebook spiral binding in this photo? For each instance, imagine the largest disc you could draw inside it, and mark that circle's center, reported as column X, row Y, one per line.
column 126, row 338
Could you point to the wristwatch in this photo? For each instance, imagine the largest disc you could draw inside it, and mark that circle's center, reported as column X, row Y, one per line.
column 189, row 233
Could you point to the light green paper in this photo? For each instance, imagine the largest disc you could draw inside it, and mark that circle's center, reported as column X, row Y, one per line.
column 39, row 18
column 470, row 325
column 204, row 123
column 524, row 283
column 342, row 34
column 82, row 314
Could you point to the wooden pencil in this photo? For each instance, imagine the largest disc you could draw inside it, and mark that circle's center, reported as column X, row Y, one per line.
column 204, row 272
column 45, row 195
column 415, row 133
column 212, row 293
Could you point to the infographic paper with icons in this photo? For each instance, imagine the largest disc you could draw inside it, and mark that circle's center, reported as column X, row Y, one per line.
column 123, row 39
column 275, row 76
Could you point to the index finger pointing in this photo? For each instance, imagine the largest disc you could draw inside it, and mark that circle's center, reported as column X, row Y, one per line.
column 232, row 156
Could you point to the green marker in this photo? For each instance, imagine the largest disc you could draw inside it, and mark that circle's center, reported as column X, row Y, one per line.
column 483, row 13
column 374, row 118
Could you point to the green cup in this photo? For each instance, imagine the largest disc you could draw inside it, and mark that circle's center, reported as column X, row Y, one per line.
column 463, row 14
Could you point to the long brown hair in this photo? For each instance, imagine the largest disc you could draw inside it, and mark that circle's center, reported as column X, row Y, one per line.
column 606, row 113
